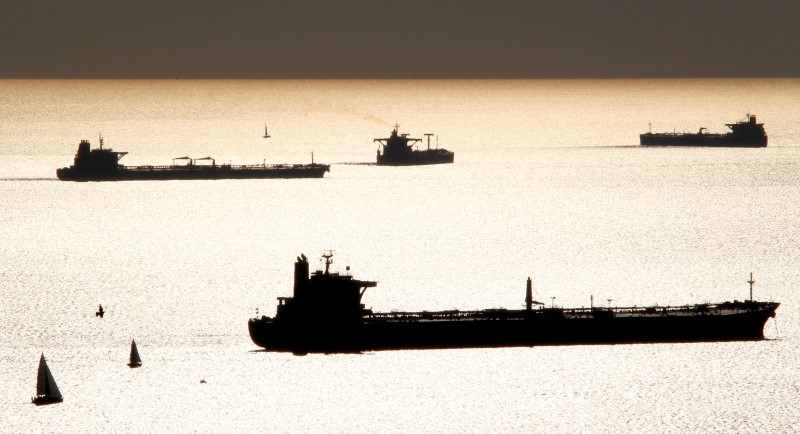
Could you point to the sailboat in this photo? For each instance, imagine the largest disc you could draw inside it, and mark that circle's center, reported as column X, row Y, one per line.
column 136, row 361
column 266, row 134
column 46, row 390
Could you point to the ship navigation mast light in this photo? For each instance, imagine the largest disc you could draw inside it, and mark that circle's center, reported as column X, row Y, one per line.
column 328, row 261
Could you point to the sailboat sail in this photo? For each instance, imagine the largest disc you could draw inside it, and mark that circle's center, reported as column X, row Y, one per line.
column 45, row 383
column 41, row 379
column 135, row 359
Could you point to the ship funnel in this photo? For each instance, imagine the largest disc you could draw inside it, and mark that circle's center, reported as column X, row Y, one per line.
column 300, row 275
column 83, row 155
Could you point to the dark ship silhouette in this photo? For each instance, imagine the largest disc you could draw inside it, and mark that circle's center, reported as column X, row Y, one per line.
column 46, row 388
column 103, row 165
column 743, row 134
column 326, row 315
column 398, row 150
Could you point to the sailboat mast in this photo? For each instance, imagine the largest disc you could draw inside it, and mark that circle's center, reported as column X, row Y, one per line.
column 41, row 377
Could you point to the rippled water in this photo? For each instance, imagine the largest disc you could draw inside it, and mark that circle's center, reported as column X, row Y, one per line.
column 548, row 182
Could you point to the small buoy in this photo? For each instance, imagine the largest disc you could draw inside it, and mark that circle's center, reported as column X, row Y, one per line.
column 100, row 311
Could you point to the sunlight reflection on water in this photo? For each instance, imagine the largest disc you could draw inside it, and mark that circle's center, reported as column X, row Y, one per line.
column 547, row 182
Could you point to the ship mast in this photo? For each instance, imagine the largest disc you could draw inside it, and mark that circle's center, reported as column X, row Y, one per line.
column 529, row 295
column 328, row 261
column 751, row 282
column 428, row 135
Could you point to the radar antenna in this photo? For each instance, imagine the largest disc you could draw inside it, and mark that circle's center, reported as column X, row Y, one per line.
column 328, row 261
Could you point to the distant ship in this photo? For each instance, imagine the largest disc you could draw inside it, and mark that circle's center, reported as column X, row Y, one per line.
column 103, row 165
column 398, row 150
column 326, row 315
column 135, row 360
column 744, row 134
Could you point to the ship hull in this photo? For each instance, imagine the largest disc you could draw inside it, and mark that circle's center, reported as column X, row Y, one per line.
column 194, row 173
column 512, row 329
column 417, row 158
column 702, row 140
column 45, row 400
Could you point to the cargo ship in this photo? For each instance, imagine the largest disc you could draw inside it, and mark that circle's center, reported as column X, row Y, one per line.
column 398, row 150
column 743, row 134
column 325, row 314
column 102, row 164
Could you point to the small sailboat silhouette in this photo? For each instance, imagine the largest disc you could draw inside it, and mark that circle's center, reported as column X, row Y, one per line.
column 136, row 361
column 46, row 389
column 266, row 133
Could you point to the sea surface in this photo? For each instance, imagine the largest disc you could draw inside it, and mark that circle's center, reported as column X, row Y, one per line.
column 548, row 182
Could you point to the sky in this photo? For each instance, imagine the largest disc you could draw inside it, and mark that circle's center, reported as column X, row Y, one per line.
column 401, row 39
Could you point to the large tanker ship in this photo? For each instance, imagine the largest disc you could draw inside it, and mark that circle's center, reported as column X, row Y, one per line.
column 744, row 134
column 325, row 314
column 398, row 150
column 103, row 165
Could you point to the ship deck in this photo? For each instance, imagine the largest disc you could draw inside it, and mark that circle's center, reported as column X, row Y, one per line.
column 698, row 135
column 728, row 308
column 223, row 167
